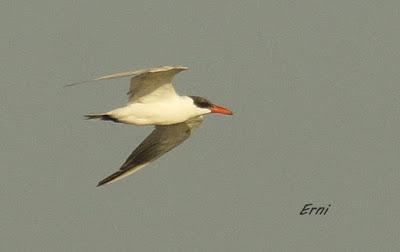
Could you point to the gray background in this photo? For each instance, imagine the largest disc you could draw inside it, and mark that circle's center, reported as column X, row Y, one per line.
column 315, row 90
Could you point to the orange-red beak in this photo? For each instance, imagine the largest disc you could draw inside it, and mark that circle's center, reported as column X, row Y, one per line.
column 220, row 110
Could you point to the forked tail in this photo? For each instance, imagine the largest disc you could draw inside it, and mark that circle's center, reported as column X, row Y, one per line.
column 103, row 117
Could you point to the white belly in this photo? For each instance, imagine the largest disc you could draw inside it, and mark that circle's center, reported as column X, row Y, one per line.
column 158, row 113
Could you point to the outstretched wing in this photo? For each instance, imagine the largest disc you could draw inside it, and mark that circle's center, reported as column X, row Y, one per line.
column 147, row 85
column 163, row 139
column 153, row 84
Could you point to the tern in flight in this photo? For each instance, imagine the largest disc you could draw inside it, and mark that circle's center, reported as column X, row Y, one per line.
column 153, row 101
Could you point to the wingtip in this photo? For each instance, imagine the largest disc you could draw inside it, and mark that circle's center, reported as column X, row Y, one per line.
column 77, row 83
column 103, row 182
column 181, row 67
column 112, row 178
column 99, row 184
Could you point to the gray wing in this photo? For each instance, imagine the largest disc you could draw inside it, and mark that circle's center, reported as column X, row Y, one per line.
column 153, row 84
column 147, row 85
column 160, row 141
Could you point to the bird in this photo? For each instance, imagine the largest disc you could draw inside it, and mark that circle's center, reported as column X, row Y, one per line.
column 154, row 101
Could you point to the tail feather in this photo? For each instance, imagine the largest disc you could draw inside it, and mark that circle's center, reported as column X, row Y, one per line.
column 94, row 116
column 103, row 117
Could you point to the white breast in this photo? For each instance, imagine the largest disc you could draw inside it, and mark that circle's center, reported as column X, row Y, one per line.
column 175, row 110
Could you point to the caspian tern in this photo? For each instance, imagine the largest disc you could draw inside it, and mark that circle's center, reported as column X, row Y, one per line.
column 153, row 101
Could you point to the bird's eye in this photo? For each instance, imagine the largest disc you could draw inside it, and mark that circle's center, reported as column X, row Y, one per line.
column 204, row 104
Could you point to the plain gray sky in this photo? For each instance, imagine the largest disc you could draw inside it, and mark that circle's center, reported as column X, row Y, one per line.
column 315, row 90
